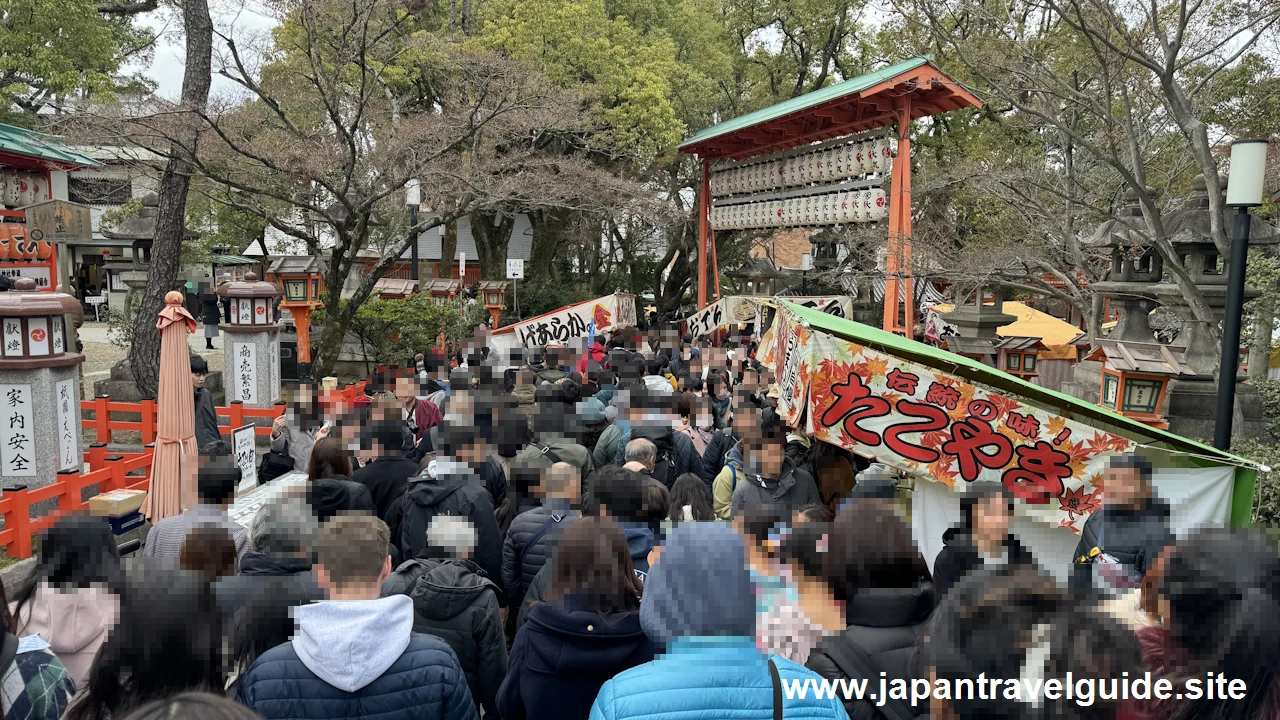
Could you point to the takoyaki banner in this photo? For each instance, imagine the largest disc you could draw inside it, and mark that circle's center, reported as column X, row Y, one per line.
column 939, row 427
column 736, row 309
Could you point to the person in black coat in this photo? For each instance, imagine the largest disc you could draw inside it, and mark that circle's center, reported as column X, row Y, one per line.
column 983, row 538
column 587, row 631
column 532, row 534
column 330, row 490
column 450, row 485
column 207, row 431
column 453, row 600
column 389, row 473
column 874, row 568
column 282, row 534
column 210, row 313
column 1119, row 543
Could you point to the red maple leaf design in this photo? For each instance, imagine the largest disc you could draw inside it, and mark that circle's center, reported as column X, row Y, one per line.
column 1078, row 502
column 600, row 316
column 1004, row 404
column 1069, row 524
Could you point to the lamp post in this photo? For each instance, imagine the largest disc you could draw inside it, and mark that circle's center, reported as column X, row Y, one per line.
column 1244, row 190
column 806, row 264
column 413, row 198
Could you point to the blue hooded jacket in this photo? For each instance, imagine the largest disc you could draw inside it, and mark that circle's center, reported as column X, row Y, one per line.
column 698, row 603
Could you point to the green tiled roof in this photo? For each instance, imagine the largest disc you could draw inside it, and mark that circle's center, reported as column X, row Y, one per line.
column 808, row 100
column 21, row 141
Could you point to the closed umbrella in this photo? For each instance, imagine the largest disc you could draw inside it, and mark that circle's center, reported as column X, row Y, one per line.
column 176, row 424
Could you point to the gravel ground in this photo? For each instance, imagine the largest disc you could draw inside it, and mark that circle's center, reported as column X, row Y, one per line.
column 101, row 355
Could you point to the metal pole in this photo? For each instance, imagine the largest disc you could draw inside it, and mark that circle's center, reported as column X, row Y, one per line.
column 1231, row 329
column 413, row 252
column 515, row 289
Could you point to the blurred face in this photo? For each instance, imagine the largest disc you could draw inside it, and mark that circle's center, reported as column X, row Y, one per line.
column 472, row 453
column 991, row 519
column 1123, row 487
column 197, row 380
column 703, row 419
column 770, row 457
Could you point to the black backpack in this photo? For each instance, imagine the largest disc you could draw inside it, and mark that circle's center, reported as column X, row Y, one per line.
column 664, row 465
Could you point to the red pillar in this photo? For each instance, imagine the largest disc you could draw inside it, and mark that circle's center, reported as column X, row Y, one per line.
column 704, row 232
column 899, row 286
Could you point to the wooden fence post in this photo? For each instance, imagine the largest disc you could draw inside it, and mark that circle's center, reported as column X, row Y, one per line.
column 148, row 420
column 102, row 417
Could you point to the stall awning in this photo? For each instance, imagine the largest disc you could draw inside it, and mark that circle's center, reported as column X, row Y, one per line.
column 972, row 370
column 47, row 148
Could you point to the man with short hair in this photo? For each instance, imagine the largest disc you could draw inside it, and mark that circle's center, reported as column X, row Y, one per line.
column 216, row 482
column 357, row 655
column 640, row 455
column 282, row 535
column 390, row 471
column 1119, row 542
column 207, row 431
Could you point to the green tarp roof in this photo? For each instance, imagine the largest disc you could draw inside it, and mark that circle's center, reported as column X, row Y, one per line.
column 21, row 141
column 234, row 260
column 970, row 369
column 808, row 100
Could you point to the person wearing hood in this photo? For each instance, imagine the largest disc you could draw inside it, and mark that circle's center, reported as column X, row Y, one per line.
column 451, row 485
column 587, row 631
column 453, row 600
column 41, row 688
column 872, row 567
column 617, row 493
column 282, row 534
column 71, row 599
column 770, row 477
column 534, row 532
column 594, row 417
column 655, row 379
column 592, row 359
column 983, row 538
column 698, row 607
column 330, row 489
column 356, row 655
column 1119, row 542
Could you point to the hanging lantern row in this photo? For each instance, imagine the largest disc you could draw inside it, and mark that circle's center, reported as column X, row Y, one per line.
column 839, row 162
column 835, row 208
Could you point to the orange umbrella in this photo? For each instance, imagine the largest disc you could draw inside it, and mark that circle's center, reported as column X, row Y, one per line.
column 176, row 449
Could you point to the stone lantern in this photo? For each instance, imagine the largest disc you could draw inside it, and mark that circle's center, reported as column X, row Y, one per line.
column 39, row 387
column 491, row 293
column 252, row 349
column 976, row 323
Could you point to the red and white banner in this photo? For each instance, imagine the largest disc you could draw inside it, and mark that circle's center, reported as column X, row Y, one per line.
column 939, row 427
column 607, row 313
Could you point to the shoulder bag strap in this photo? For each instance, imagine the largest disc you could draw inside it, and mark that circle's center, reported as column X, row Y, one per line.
column 542, row 531
column 854, row 662
column 547, row 452
column 777, row 690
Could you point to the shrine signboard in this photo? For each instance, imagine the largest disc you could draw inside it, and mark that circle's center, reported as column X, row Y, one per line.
column 938, row 427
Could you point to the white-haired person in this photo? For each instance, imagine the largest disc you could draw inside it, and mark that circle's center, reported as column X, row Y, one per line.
column 456, row 602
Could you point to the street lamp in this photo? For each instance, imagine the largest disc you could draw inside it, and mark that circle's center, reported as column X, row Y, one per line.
column 806, row 264
column 1244, row 190
column 413, row 198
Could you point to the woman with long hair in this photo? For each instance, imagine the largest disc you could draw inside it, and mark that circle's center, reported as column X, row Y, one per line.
column 330, row 489
column 587, row 631
column 690, row 501
column 168, row 640
column 71, row 600
column 982, row 538
column 871, row 566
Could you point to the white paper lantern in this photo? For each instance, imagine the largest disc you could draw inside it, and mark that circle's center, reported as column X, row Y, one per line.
column 825, row 169
column 879, row 204
column 882, row 159
column 844, row 210
column 757, row 177
column 775, row 213
column 779, row 174
column 852, row 164
column 825, row 215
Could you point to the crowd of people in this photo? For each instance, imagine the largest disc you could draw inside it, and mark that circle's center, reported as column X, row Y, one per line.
column 628, row 531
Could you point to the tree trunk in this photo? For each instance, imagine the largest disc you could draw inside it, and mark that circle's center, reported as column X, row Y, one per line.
column 491, row 243
column 166, row 250
column 548, row 231
column 448, row 250
column 1264, row 323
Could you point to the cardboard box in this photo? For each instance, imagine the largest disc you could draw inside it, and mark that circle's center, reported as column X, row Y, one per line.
column 116, row 502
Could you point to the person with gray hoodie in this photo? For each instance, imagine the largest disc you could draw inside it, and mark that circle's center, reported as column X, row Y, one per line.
column 356, row 655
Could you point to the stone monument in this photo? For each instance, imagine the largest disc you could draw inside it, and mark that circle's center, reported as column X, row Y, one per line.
column 252, row 347
column 39, row 387
column 976, row 323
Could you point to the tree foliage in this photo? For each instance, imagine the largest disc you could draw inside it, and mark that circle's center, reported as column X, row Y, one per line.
column 393, row 331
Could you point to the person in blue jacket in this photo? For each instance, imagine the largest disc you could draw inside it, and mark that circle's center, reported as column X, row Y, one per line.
column 356, row 655
column 699, row 606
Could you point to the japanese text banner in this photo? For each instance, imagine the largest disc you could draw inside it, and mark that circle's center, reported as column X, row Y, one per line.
column 944, row 429
column 607, row 313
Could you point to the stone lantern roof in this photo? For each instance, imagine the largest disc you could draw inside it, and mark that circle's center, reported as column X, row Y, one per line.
column 142, row 227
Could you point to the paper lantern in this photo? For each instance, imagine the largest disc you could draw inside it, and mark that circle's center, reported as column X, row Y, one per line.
column 879, row 204
column 881, row 158
column 845, row 212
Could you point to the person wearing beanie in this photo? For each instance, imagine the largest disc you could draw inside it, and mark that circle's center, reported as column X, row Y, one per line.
column 699, row 608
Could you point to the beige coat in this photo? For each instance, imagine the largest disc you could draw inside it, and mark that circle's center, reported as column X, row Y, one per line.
column 74, row 623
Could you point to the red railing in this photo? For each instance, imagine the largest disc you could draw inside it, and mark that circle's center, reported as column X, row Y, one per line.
column 106, row 425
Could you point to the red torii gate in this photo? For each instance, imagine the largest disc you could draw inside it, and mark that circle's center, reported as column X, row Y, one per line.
column 895, row 96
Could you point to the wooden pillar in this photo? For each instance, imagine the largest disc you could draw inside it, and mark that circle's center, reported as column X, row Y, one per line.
column 302, row 323
column 704, row 232
column 715, row 265
column 899, row 286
